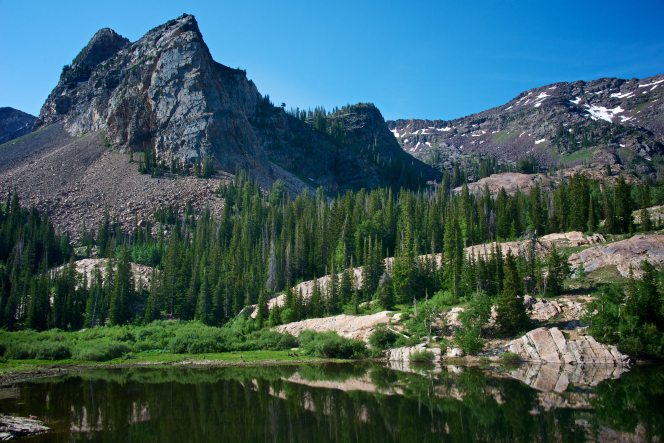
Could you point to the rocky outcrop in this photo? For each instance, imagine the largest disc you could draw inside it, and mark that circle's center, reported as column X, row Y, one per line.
column 349, row 326
column 542, row 245
column 17, row 427
column 14, row 124
column 404, row 353
column 510, row 181
column 623, row 254
column 557, row 377
column 543, row 309
column 544, row 345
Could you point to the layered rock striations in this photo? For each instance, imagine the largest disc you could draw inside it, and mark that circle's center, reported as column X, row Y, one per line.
column 544, row 345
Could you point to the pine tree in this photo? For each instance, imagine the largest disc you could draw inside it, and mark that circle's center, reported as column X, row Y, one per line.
column 123, row 292
column 385, row 293
column 511, row 313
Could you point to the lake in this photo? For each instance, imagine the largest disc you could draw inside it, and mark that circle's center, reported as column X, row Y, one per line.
column 345, row 403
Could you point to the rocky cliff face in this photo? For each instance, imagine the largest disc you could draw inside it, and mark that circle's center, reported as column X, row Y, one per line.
column 14, row 124
column 166, row 94
column 607, row 120
column 163, row 92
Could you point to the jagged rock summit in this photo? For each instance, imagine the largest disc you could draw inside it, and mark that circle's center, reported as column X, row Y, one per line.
column 165, row 94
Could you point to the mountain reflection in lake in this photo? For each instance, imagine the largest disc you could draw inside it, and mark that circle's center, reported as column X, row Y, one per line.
column 344, row 402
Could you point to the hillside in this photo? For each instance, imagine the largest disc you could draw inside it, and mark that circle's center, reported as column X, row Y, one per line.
column 14, row 124
column 609, row 120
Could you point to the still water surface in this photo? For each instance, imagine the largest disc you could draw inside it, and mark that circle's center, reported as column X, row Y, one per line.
column 344, row 403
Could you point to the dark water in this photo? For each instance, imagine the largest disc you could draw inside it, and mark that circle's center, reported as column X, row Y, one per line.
column 339, row 403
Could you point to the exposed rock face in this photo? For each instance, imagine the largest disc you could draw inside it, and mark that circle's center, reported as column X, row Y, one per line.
column 165, row 94
column 543, row 309
column 557, row 377
column 14, row 124
column 142, row 273
column 403, row 354
column 530, row 125
column 544, row 345
column 349, row 326
column 542, row 244
column 511, row 181
column 622, row 254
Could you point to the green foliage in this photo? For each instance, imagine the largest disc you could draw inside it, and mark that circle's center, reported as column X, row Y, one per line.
column 445, row 298
column 510, row 357
column 631, row 318
column 330, row 345
column 511, row 313
column 421, row 356
column 382, row 338
column 101, row 350
column 473, row 319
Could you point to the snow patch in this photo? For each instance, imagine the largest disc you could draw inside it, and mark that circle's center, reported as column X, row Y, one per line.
column 577, row 101
column 621, row 95
column 537, row 142
column 602, row 113
column 395, row 132
column 622, row 146
column 651, row 84
column 522, row 134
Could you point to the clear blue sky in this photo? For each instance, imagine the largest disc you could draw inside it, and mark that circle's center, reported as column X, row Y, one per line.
column 413, row 59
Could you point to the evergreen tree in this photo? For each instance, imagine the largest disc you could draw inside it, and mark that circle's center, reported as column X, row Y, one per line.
column 511, row 313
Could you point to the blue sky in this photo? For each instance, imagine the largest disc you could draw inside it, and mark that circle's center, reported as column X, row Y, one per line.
column 415, row 59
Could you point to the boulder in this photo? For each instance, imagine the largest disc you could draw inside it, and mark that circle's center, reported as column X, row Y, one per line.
column 403, row 354
column 349, row 326
column 454, row 352
column 17, row 427
column 544, row 345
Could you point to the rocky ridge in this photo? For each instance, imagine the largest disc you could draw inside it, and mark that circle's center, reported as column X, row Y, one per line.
column 620, row 121
column 165, row 94
column 14, row 124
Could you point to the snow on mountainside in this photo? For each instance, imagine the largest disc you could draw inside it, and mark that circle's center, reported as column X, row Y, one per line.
column 608, row 120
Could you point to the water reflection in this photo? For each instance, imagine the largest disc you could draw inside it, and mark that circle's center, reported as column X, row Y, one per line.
column 346, row 402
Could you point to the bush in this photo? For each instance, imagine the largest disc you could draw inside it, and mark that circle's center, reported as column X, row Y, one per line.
column 382, row 338
column 269, row 340
column 510, row 357
column 19, row 351
column 421, row 356
column 330, row 345
column 445, row 298
column 469, row 339
column 3, row 349
column 101, row 350
column 49, row 350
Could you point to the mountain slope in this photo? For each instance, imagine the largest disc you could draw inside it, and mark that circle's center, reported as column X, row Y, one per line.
column 14, row 124
column 607, row 120
column 165, row 94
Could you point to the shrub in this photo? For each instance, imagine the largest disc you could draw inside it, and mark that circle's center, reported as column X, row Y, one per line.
column 270, row 340
column 19, row 351
column 469, row 339
column 3, row 349
column 330, row 345
column 101, row 350
column 421, row 356
column 49, row 350
column 510, row 357
column 445, row 298
column 382, row 338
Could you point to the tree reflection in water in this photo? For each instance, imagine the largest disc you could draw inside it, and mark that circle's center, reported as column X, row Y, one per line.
column 338, row 403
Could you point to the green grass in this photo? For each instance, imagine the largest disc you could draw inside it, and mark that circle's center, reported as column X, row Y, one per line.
column 502, row 136
column 641, row 106
column 166, row 358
